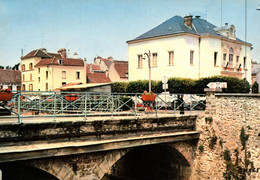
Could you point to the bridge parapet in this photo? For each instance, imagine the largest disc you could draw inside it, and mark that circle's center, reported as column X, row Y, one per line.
column 46, row 139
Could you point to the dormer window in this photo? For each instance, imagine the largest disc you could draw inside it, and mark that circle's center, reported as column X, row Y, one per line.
column 60, row 61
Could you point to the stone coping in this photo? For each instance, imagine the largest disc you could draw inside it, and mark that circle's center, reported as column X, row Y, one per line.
column 237, row 95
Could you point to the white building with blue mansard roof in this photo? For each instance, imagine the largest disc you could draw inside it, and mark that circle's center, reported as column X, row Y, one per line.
column 189, row 47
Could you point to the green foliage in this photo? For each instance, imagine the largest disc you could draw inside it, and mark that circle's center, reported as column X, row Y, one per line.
column 221, row 143
column 255, row 88
column 212, row 141
column 201, row 148
column 143, row 85
column 234, row 85
column 208, row 120
column 119, row 87
column 243, row 137
column 183, row 85
column 227, row 156
column 128, row 103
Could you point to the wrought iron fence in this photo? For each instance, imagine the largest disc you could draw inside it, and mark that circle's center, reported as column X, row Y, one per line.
column 61, row 104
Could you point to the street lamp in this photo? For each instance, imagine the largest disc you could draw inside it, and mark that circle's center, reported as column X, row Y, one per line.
column 149, row 66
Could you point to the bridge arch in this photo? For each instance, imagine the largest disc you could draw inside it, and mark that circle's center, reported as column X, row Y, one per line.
column 19, row 171
column 161, row 161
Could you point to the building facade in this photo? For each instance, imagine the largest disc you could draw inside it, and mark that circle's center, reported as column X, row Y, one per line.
column 190, row 48
column 44, row 71
column 116, row 70
column 10, row 79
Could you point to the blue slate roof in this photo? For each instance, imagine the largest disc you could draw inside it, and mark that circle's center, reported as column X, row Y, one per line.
column 175, row 25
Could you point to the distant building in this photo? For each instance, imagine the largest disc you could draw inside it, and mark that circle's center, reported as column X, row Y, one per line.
column 96, row 75
column 190, row 48
column 256, row 73
column 116, row 70
column 44, row 71
column 10, row 79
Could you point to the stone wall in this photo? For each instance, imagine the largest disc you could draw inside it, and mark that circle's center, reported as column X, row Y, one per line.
column 220, row 130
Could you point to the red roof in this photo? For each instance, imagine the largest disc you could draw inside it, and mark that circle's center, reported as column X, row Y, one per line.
column 70, row 84
column 38, row 53
column 98, row 78
column 94, row 67
column 65, row 61
column 122, row 68
column 10, row 76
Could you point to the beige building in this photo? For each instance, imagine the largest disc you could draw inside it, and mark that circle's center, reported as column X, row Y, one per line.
column 116, row 70
column 190, row 48
column 44, row 71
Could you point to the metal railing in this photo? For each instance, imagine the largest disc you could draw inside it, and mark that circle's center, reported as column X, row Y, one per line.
column 25, row 104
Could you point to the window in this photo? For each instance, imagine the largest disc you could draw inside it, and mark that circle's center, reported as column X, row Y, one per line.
column 46, row 74
column 59, row 61
column 215, row 58
column 31, row 77
column 77, row 75
column 39, row 79
column 154, row 59
column 39, row 70
column 23, row 87
column 23, row 67
column 140, row 61
column 23, row 77
column 191, row 57
column 244, row 62
column 224, row 59
column 30, row 66
column 63, row 74
column 237, row 61
column 231, row 57
column 63, row 83
column 30, row 87
column 46, row 86
column 171, row 57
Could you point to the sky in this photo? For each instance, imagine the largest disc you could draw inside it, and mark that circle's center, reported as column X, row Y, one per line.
column 101, row 27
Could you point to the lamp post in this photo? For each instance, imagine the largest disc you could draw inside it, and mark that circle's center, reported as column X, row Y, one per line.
column 149, row 66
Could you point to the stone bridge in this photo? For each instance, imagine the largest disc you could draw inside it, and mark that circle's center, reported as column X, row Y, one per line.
column 120, row 148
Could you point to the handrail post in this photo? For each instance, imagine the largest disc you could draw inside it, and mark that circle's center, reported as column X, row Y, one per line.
column 156, row 110
column 85, row 107
column 112, row 108
column 54, row 110
column 135, row 105
column 19, row 108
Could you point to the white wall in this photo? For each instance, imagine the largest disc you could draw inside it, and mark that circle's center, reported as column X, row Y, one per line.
column 181, row 45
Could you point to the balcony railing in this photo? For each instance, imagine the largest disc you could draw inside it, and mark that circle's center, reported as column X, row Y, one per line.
column 25, row 104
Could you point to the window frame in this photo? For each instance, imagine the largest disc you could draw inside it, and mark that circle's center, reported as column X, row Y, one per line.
column 215, row 58
column 77, row 74
column 191, row 57
column 139, row 61
column 155, row 59
column 171, row 57
column 63, row 74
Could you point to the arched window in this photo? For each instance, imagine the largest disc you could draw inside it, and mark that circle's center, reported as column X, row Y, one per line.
column 231, row 57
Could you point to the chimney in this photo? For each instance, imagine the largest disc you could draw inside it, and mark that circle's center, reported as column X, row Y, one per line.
column 62, row 52
column 110, row 58
column 43, row 50
column 75, row 55
column 188, row 21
